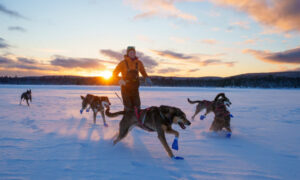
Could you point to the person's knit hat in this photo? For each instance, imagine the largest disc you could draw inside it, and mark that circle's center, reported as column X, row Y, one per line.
column 129, row 48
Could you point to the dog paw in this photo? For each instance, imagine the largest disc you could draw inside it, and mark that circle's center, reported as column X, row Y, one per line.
column 87, row 110
column 105, row 125
column 81, row 111
column 177, row 158
column 231, row 115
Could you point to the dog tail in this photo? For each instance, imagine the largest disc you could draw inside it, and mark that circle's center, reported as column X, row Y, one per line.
column 192, row 102
column 115, row 114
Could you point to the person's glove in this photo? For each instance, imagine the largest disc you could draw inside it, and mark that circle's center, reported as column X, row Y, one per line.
column 148, row 81
column 122, row 82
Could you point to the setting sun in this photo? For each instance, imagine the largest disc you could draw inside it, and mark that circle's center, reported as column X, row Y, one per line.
column 105, row 74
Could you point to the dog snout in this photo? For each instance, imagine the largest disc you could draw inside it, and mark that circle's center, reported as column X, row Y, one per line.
column 188, row 122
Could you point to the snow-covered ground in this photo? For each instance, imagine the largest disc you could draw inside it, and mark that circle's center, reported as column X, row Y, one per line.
column 52, row 140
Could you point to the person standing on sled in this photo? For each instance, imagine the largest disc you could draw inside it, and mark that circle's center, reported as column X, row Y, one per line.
column 129, row 82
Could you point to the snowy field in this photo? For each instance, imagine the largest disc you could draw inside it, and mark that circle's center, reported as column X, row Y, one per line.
column 52, row 140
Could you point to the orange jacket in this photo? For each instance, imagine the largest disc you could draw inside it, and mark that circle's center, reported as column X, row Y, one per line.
column 122, row 67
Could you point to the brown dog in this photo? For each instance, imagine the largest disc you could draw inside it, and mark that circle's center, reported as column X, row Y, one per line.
column 208, row 105
column 26, row 96
column 159, row 119
column 96, row 103
column 218, row 106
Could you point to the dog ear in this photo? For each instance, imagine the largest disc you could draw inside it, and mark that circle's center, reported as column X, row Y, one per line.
column 82, row 97
column 219, row 95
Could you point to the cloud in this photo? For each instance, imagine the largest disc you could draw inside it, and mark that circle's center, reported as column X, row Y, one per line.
column 193, row 70
column 112, row 54
column 282, row 14
column 172, row 54
column 168, row 70
column 209, row 41
column 83, row 63
column 16, row 28
column 58, row 64
column 148, row 61
column 195, row 60
column 5, row 60
column 3, row 44
column 216, row 62
column 239, row 24
column 250, row 41
column 291, row 56
column 29, row 67
column 22, row 64
column 26, row 60
column 160, row 8
column 144, row 38
column 178, row 40
column 11, row 13
column 296, row 69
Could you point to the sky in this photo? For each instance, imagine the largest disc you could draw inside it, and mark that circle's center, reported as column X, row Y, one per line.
column 183, row 38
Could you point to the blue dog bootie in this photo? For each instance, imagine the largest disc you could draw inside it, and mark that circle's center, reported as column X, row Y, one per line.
column 105, row 125
column 175, row 144
column 87, row 110
column 228, row 135
column 202, row 117
column 231, row 115
column 177, row 158
column 81, row 111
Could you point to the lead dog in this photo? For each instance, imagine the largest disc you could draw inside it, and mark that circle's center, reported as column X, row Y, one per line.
column 26, row 96
column 96, row 103
column 159, row 119
column 218, row 107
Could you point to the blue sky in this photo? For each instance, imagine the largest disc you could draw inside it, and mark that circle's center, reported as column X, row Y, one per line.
column 174, row 38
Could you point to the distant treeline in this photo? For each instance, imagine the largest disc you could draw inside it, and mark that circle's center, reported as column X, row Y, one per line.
column 259, row 80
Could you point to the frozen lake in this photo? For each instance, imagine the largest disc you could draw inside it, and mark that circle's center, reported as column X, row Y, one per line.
column 52, row 140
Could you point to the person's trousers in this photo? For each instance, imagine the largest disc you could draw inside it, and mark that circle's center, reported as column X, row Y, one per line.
column 131, row 98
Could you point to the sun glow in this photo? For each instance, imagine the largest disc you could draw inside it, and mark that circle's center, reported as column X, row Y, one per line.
column 106, row 74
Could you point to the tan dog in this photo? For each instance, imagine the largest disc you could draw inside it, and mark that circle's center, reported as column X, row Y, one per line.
column 26, row 96
column 200, row 106
column 218, row 107
column 96, row 103
column 159, row 119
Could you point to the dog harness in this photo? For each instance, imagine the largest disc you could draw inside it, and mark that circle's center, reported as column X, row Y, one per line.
column 221, row 110
column 207, row 103
column 142, row 121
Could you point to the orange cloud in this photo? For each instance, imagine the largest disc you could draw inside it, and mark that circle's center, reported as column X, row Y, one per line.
column 209, row 41
column 161, row 8
column 282, row 14
column 291, row 56
column 57, row 65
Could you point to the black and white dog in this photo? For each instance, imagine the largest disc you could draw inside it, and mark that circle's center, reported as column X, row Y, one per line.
column 26, row 96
